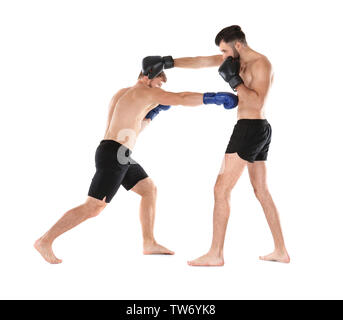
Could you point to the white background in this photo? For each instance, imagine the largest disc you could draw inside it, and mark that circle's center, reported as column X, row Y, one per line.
column 61, row 62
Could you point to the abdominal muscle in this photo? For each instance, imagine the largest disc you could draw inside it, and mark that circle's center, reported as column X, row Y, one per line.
column 246, row 112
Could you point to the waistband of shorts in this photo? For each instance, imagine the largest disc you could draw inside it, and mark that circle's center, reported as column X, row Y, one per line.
column 114, row 144
column 253, row 122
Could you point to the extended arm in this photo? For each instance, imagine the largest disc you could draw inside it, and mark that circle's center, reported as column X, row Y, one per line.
column 198, row 62
column 190, row 99
column 154, row 65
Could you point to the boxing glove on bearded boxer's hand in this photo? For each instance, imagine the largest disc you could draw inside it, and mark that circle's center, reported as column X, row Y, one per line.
column 227, row 99
column 154, row 112
column 229, row 70
column 152, row 66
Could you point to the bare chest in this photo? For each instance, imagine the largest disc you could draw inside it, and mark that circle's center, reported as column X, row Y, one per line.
column 246, row 75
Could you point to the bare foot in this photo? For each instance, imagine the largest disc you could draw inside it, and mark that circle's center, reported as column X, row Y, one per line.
column 277, row 256
column 155, row 248
column 208, row 260
column 45, row 250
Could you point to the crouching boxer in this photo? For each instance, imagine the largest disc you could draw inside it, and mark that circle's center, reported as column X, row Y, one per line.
column 131, row 109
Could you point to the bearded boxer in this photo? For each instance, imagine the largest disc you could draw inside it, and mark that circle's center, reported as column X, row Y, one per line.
column 131, row 109
column 250, row 74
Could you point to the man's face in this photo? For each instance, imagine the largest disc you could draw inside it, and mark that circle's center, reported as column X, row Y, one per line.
column 228, row 50
column 156, row 82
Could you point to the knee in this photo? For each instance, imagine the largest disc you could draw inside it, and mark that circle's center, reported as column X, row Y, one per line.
column 95, row 212
column 222, row 192
column 150, row 190
column 261, row 192
column 94, row 209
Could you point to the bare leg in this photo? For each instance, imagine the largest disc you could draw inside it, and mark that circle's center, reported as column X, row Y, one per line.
column 147, row 190
column 233, row 169
column 258, row 178
column 91, row 208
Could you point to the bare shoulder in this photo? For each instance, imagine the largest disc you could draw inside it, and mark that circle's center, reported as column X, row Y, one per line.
column 150, row 92
column 141, row 95
column 262, row 63
column 122, row 91
column 117, row 96
column 160, row 96
column 140, row 92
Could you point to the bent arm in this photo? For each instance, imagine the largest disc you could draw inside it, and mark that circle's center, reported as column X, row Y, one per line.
column 198, row 62
column 190, row 99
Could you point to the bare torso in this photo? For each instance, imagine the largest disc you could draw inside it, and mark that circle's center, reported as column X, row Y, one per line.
column 130, row 108
column 254, row 109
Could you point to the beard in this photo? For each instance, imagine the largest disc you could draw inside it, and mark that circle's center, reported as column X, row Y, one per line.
column 236, row 55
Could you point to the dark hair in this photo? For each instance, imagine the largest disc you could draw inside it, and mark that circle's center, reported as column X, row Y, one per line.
column 230, row 34
column 161, row 75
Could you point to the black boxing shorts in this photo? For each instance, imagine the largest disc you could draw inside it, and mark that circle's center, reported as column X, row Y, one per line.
column 114, row 167
column 251, row 139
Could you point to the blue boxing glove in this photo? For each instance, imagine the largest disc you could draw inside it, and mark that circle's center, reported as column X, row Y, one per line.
column 154, row 112
column 229, row 100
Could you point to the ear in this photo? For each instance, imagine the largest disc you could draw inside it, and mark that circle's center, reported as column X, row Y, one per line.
column 238, row 45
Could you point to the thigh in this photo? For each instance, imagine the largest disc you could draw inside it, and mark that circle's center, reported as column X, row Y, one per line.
column 263, row 153
column 94, row 203
column 232, row 168
column 134, row 174
column 258, row 174
column 106, row 182
column 144, row 186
